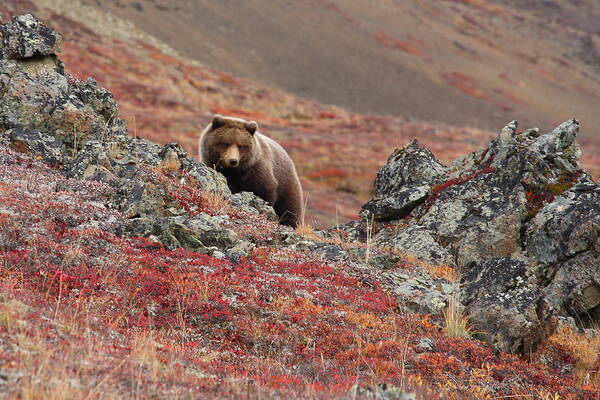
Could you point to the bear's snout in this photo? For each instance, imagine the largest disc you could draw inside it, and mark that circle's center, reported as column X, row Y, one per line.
column 231, row 157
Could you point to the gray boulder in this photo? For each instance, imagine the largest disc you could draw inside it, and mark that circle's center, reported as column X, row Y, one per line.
column 202, row 233
column 396, row 205
column 567, row 226
column 506, row 305
column 403, row 183
column 574, row 290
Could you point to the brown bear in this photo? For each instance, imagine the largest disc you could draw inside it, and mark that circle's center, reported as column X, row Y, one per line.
column 252, row 162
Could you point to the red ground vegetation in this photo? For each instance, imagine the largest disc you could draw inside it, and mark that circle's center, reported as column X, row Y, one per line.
column 410, row 47
column 85, row 313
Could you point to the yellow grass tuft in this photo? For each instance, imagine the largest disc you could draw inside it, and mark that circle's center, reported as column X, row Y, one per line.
column 215, row 201
column 441, row 271
column 307, row 231
column 456, row 322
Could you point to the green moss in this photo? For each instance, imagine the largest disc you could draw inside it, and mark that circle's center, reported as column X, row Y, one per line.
column 559, row 187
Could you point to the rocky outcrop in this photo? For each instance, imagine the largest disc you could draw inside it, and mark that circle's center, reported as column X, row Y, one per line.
column 520, row 218
column 403, row 183
column 74, row 126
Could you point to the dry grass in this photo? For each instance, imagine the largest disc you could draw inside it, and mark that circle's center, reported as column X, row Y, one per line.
column 11, row 312
column 584, row 348
column 369, row 238
column 307, row 231
column 44, row 378
column 215, row 201
column 144, row 354
column 441, row 271
column 456, row 322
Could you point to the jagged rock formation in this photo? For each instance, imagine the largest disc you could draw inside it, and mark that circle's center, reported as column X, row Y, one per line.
column 520, row 219
column 75, row 127
column 403, row 183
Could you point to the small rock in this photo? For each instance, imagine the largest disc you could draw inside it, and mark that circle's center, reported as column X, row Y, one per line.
column 249, row 202
column 424, row 345
column 418, row 292
column 26, row 37
column 396, row 205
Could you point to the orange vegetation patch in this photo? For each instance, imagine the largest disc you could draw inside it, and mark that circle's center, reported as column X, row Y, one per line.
column 408, row 46
column 469, row 86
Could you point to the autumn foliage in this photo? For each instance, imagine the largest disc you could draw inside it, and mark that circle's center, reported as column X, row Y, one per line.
column 86, row 313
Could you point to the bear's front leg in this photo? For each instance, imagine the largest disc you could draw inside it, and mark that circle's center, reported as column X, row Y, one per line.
column 262, row 183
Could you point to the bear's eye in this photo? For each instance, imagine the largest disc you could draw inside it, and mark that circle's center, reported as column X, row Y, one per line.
column 222, row 145
column 244, row 148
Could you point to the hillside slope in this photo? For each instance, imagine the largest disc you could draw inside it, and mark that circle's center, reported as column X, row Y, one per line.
column 468, row 63
column 128, row 270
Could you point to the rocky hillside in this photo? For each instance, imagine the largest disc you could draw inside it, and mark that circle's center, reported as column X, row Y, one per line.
column 128, row 269
column 166, row 97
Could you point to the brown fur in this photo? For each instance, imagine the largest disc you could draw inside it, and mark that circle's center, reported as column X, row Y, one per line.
column 253, row 162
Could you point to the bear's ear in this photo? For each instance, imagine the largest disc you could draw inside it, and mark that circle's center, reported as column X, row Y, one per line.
column 251, row 127
column 217, row 121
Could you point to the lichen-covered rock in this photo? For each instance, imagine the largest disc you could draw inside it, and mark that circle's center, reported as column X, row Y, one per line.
column 410, row 164
column 142, row 199
column 25, row 140
column 561, row 142
column 506, row 305
column 520, row 218
column 397, row 205
column 575, row 287
column 567, row 226
column 419, row 243
column 26, row 37
column 403, row 183
column 202, row 233
column 207, row 178
column 564, row 240
column 250, row 203
column 39, row 95
column 416, row 291
column 478, row 219
column 425, row 345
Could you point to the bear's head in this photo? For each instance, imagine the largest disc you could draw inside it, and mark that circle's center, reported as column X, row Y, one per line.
column 230, row 143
